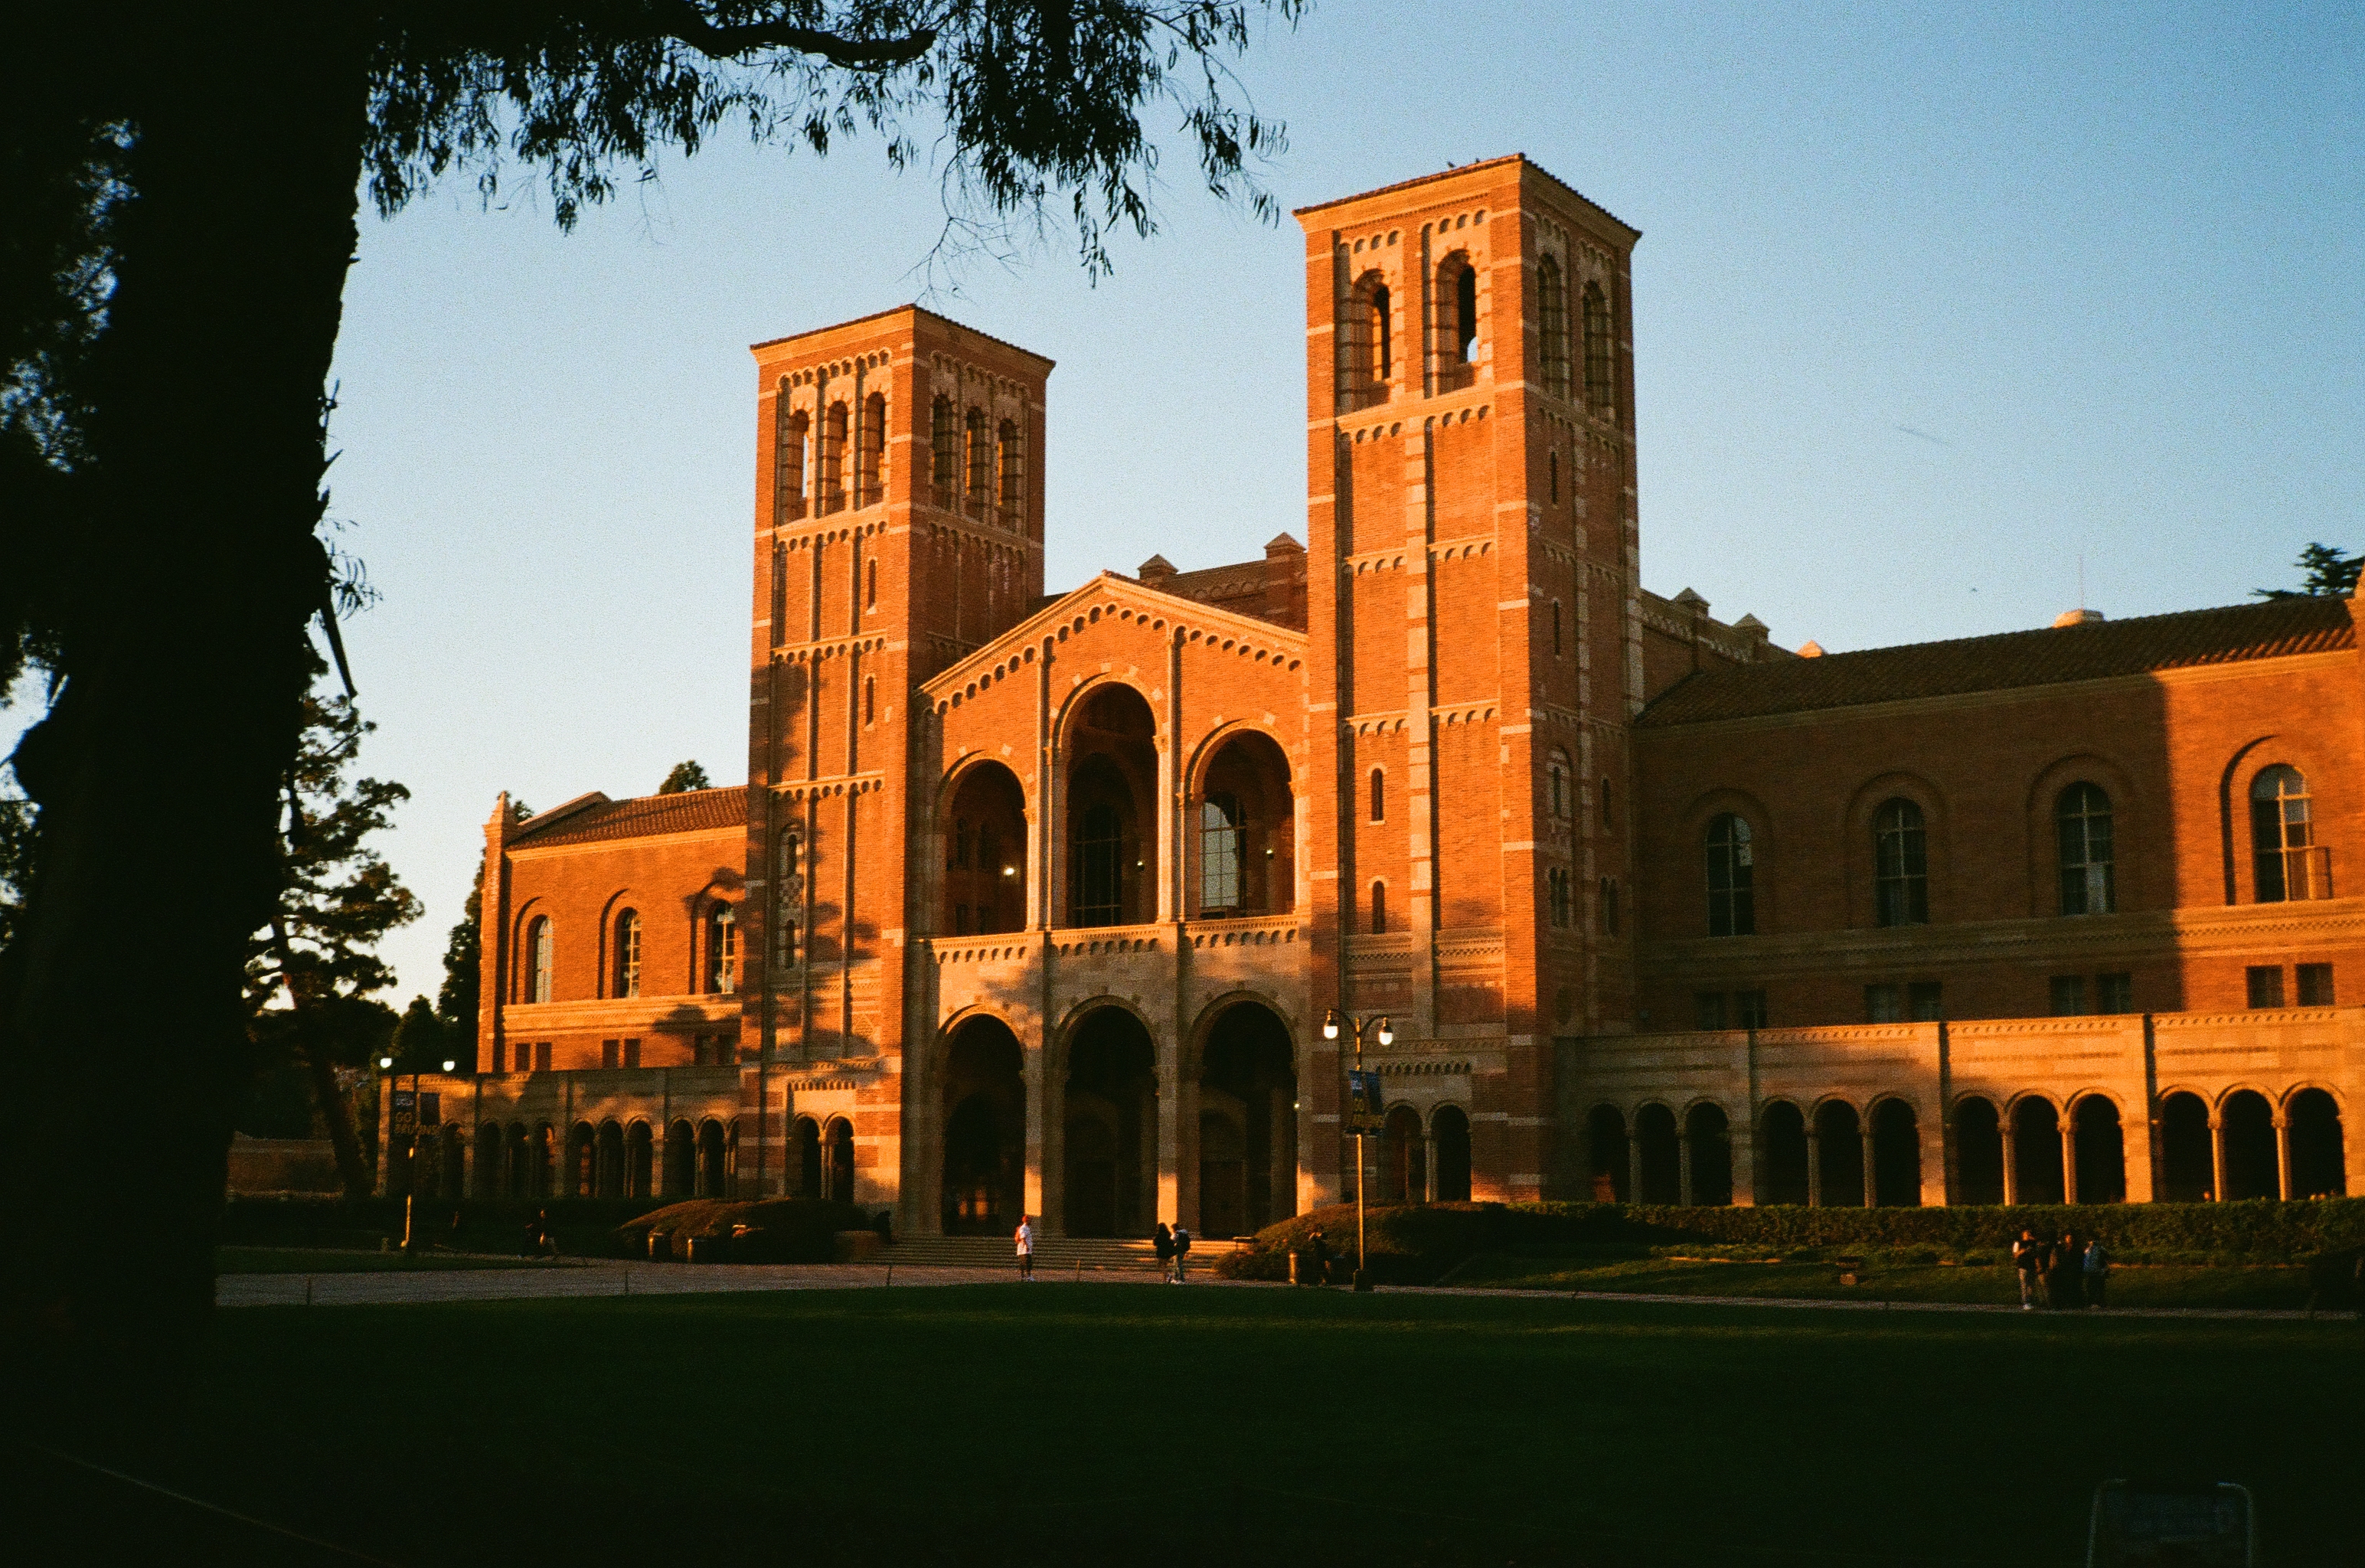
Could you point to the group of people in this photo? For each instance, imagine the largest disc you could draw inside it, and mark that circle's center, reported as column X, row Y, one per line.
column 1172, row 1246
column 2061, row 1276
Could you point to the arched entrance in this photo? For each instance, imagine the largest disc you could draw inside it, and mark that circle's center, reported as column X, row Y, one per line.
column 608, row 1167
column 2246, row 1123
column 638, row 1160
column 1109, row 1126
column 1448, row 1127
column 1247, row 1095
column 1244, row 824
column 1896, row 1156
column 1403, row 1159
column 455, row 1162
column 2035, row 1151
column 681, row 1160
column 580, row 1153
column 2188, row 1169
column 984, row 1108
column 1608, row 1155
column 490, row 1174
column 544, row 1159
column 1708, row 1140
column 519, row 1163
column 806, row 1157
column 1979, row 1151
column 2318, row 1159
column 2102, row 1152
column 839, row 1142
column 1783, row 1146
column 1662, row 1159
column 710, row 1159
column 1839, row 1155
column 1113, row 778
column 985, row 855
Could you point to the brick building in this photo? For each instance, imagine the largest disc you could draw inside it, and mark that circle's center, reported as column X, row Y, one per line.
column 1037, row 903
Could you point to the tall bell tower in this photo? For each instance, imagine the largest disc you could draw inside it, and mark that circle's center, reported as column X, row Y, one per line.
column 1472, row 581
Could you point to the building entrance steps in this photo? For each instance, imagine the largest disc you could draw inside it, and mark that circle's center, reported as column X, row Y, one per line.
column 1051, row 1253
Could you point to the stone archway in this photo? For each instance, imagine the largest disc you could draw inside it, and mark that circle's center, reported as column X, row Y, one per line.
column 1896, row 1173
column 1783, row 1128
column 681, row 1160
column 806, row 1158
column 1610, row 1157
column 985, row 855
column 839, row 1142
column 1244, row 826
column 2100, row 1147
column 639, row 1160
column 1707, row 1148
column 1248, row 1097
column 1111, row 829
column 1403, row 1159
column 1659, row 1156
column 2318, row 1158
column 983, row 1184
column 1448, row 1128
column 1979, row 1151
column 2188, row 1169
column 2247, row 1126
column 1839, row 1155
column 1109, row 1126
column 2037, row 1152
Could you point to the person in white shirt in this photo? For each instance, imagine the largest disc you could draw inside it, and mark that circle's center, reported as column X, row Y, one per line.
column 1182, row 1249
column 1026, row 1248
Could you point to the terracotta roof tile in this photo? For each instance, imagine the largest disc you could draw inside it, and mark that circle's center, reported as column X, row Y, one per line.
column 2091, row 652
column 693, row 811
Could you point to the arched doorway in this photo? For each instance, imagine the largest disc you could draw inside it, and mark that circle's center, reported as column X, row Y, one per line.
column 2318, row 1158
column 543, row 1157
column 638, row 1160
column 2102, row 1152
column 2248, row 1126
column 1896, row 1156
column 710, row 1159
column 455, row 1162
column 608, row 1167
column 1662, row 1165
column 1707, row 1137
column 1109, row 1126
column 520, row 1161
column 985, row 855
column 984, row 1107
column 1247, row 1081
column 490, row 1178
column 2035, row 1151
column 2188, row 1169
column 1607, row 1154
column 582, row 1145
column 806, row 1157
column 1979, row 1151
column 1839, row 1155
column 1113, row 775
column 1783, row 1154
column 1448, row 1127
column 1244, row 826
column 681, row 1160
column 1404, row 1163
column 839, row 1144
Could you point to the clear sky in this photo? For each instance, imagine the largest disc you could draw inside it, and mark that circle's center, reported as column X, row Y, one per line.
column 1929, row 306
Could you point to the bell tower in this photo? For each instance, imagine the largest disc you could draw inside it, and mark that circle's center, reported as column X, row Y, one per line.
column 1473, row 608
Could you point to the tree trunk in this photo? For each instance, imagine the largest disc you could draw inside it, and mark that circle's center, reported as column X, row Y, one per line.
column 334, row 1111
column 158, row 772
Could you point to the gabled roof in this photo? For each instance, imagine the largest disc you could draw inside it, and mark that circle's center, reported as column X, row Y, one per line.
column 693, row 811
column 1062, row 606
column 2095, row 651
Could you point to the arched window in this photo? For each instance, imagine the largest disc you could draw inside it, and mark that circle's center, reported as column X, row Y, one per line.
column 1731, row 895
column 1555, row 628
column 1220, row 854
column 980, row 463
column 1014, row 477
column 538, row 960
column 1366, row 354
column 1608, row 817
column 1900, row 866
column 1383, row 350
column 871, row 585
column 1454, row 335
column 1465, row 311
column 1552, row 336
column 943, row 451
column 1560, row 789
column 2283, row 838
column 871, row 452
column 1599, row 392
column 2082, row 815
column 1379, row 908
column 1379, row 795
column 722, row 949
column 788, row 438
column 869, row 698
column 829, row 488
column 1552, row 464
column 628, row 953
column 1608, row 911
column 1556, row 896
column 1100, row 884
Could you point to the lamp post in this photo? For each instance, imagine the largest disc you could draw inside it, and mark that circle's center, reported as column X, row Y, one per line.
column 1332, row 1021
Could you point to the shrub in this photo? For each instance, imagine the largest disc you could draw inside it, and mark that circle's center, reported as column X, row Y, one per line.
column 771, row 1230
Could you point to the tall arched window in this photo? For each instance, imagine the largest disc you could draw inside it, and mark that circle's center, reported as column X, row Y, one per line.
column 1599, row 389
column 871, row 585
column 1379, row 908
column 980, row 463
column 1383, row 349
column 1555, row 628
column 1454, row 335
column 869, row 698
column 871, row 452
column 2082, row 817
column 943, row 451
column 1553, row 471
column 1900, row 866
column 1560, row 786
column 722, row 949
column 829, row 484
column 538, row 960
column 1379, row 795
column 788, row 438
column 1100, row 879
column 1013, row 477
column 788, row 911
column 1732, row 875
column 1608, row 817
column 1366, row 354
column 1465, row 311
column 628, row 953
column 2283, row 835
column 1551, row 332
column 1220, row 854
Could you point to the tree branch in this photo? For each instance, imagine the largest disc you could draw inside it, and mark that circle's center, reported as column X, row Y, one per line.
column 690, row 25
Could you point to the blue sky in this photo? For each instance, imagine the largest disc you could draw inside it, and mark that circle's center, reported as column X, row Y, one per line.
column 1929, row 305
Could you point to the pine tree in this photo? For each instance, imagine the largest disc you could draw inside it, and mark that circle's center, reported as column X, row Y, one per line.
column 685, row 777
column 2325, row 572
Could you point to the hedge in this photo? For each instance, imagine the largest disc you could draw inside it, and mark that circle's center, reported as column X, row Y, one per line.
column 485, row 1222
column 770, row 1230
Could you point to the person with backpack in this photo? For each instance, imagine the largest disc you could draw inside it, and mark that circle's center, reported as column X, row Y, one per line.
column 2061, row 1292
column 1182, row 1248
column 2026, row 1259
column 2097, row 1269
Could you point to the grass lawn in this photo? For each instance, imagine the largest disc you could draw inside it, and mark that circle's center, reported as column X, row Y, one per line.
column 2150, row 1286
column 334, row 1260
column 1116, row 1425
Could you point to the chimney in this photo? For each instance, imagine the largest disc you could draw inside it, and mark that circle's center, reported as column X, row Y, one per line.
column 1284, row 582
column 1156, row 572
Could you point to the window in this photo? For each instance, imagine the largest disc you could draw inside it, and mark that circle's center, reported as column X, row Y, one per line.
column 2069, row 995
column 980, row 463
column 542, row 1056
column 1901, row 874
column 1557, row 896
column 944, row 451
column 780, row 595
column 2082, row 815
column 1751, row 1010
column 871, row 585
column 1608, row 910
column 1609, row 818
column 1707, row 1009
column 2281, row 833
column 1558, row 792
column 2315, row 985
column 632, row 1052
column 1383, row 350
column 1552, row 469
column 2114, row 992
column 871, row 451
column 2266, row 984
column 829, row 486
column 628, row 953
column 1014, row 477
column 723, row 949
column 611, row 1054
column 538, row 960
column 1100, row 865
column 1465, row 311
column 1599, row 392
column 1219, row 852
column 1379, row 795
column 960, row 920
column 785, row 940
column 960, row 858
column 869, row 698
column 1731, row 896
column 789, row 434
column 1924, row 1001
column 1884, row 1004
column 1551, row 335
column 1379, row 909
column 1555, row 628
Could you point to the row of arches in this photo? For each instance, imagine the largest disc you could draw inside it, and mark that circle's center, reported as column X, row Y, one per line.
column 977, row 465
column 810, row 461
column 1424, row 1163
column 604, row 1160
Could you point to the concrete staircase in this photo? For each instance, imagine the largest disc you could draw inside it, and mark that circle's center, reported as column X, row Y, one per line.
column 1053, row 1254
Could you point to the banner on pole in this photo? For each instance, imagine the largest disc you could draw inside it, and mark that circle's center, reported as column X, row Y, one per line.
column 1366, row 1111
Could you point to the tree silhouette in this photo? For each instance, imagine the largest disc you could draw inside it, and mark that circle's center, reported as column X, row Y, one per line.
column 685, row 777
column 2324, row 571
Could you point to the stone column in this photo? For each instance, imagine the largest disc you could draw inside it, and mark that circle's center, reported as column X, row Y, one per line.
column 2011, row 1158
column 2068, row 1155
column 1429, row 1166
column 2282, row 1157
column 1633, row 1167
column 1870, row 1187
column 1743, row 1133
column 1814, row 1167
column 1034, row 1064
column 1684, row 1169
column 2217, row 1157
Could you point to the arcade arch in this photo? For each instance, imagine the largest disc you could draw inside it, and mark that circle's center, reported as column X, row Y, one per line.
column 1245, row 829
column 1109, row 1125
column 1112, row 788
column 1248, row 1121
column 984, row 1119
column 985, row 853
column 1449, row 1129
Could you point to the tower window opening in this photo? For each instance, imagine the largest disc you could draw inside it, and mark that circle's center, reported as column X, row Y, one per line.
column 1465, row 312
column 871, row 585
column 1557, row 650
column 980, row 463
column 789, row 464
column 869, row 698
column 1551, row 335
column 1598, row 389
column 1014, row 477
column 871, row 451
column 943, row 451
column 1379, row 795
column 830, row 485
column 1379, row 908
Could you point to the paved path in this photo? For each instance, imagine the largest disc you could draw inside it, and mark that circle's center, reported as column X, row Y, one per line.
column 551, row 1281
column 1861, row 1305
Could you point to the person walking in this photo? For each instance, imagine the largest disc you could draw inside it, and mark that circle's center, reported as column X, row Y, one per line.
column 2027, row 1258
column 2061, row 1292
column 1025, row 1239
column 1320, row 1249
column 1182, row 1248
column 1161, row 1241
column 2097, row 1269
